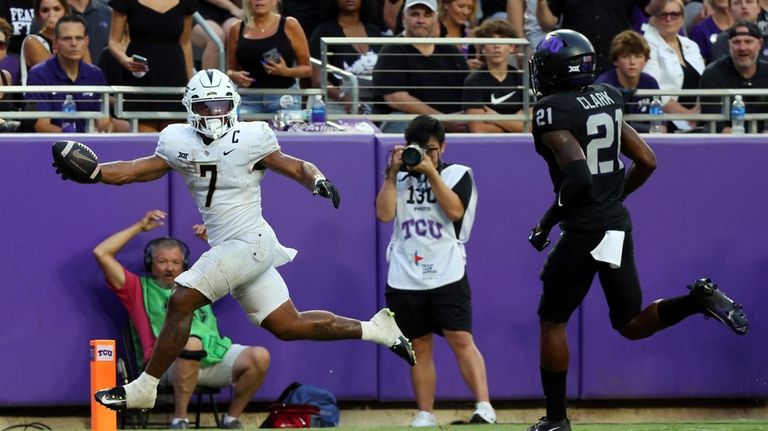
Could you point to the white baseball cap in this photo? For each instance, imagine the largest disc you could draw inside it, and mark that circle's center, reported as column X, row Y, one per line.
column 431, row 4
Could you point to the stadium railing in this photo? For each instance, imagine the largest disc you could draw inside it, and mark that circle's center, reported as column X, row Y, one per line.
column 520, row 56
column 359, row 85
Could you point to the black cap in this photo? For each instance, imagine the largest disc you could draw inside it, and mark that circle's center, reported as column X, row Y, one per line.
column 744, row 28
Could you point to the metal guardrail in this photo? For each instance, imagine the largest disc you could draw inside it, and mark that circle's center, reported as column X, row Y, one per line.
column 174, row 96
column 326, row 50
column 199, row 20
column 726, row 95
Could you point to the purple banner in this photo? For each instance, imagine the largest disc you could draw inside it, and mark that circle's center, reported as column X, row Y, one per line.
column 697, row 216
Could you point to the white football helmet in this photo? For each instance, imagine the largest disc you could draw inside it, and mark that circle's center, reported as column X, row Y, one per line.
column 211, row 101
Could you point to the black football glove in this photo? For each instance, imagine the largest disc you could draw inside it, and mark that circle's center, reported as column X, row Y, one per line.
column 538, row 239
column 326, row 189
column 58, row 171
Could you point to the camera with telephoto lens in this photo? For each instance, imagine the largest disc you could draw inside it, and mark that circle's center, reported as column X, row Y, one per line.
column 412, row 155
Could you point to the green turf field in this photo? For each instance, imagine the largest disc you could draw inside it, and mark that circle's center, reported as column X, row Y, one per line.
column 719, row 426
column 702, row 426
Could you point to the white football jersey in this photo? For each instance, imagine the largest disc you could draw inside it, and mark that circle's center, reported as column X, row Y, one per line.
column 222, row 175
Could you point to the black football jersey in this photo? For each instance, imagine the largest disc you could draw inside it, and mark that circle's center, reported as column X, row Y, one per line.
column 594, row 116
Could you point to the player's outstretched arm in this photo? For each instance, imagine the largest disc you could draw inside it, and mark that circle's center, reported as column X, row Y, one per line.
column 303, row 172
column 642, row 156
column 132, row 171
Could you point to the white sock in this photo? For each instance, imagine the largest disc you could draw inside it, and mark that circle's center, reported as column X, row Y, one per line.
column 228, row 419
column 484, row 404
column 177, row 420
column 145, row 384
column 371, row 333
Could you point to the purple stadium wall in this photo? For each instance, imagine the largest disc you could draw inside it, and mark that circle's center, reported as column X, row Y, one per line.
column 698, row 215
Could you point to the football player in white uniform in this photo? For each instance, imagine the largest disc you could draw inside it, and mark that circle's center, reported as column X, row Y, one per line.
column 223, row 161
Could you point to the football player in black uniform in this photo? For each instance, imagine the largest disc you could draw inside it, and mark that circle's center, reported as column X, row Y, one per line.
column 579, row 131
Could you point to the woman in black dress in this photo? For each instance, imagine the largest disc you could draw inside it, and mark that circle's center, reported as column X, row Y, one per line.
column 159, row 30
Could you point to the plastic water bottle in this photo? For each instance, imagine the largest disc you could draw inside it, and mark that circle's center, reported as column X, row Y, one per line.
column 738, row 110
column 656, row 110
column 318, row 110
column 68, row 125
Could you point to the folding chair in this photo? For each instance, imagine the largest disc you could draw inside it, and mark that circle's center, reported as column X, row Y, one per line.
column 128, row 368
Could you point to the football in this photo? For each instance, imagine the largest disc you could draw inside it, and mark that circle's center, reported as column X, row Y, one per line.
column 75, row 161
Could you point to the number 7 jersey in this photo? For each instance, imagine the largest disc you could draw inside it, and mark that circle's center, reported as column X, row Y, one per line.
column 594, row 117
column 223, row 176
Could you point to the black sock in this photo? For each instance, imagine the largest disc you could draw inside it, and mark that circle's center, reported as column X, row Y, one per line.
column 673, row 310
column 554, row 389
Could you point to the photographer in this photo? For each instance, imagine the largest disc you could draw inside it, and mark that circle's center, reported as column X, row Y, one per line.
column 433, row 206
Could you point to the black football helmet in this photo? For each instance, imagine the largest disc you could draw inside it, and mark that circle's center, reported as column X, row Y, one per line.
column 563, row 60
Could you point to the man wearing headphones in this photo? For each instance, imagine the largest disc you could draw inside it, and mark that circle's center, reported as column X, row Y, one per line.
column 209, row 358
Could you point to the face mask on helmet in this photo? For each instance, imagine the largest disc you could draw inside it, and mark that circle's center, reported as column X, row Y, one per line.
column 211, row 101
column 563, row 60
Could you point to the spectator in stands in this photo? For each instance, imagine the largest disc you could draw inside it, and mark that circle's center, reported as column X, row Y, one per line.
column 377, row 17
column 9, row 75
column 267, row 50
column 743, row 68
column 431, row 294
column 629, row 53
column 748, row 10
column 497, row 88
column 97, row 15
column 220, row 15
column 67, row 68
column 8, row 62
column 420, row 90
column 599, row 20
column 705, row 33
column 522, row 16
column 494, row 9
column 308, row 13
column 675, row 61
column 159, row 32
column 209, row 358
column 457, row 19
column 393, row 15
column 351, row 20
column 20, row 14
column 39, row 46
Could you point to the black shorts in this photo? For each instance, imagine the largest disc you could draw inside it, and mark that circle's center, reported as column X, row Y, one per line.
column 568, row 274
column 214, row 13
column 422, row 312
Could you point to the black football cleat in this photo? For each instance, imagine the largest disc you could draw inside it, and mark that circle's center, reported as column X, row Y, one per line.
column 717, row 305
column 384, row 320
column 404, row 349
column 545, row 424
column 113, row 399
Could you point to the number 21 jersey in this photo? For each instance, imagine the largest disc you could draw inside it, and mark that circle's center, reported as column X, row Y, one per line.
column 594, row 117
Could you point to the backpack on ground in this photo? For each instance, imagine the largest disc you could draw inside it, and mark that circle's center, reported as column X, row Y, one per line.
column 303, row 406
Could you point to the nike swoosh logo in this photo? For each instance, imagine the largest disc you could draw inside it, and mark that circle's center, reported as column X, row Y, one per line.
column 559, row 203
column 502, row 99
column 110, row 401
column 227, row 152
column 553, row 429
column 76, row 154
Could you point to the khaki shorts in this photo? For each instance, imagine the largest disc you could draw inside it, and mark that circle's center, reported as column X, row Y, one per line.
column 217, row 375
